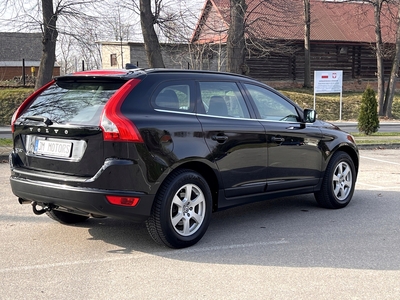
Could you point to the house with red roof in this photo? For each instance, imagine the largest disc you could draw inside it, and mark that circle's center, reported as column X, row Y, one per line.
column 20, row 54
column 342, row 37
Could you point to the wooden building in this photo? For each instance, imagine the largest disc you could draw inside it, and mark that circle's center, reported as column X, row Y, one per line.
column 342, row 37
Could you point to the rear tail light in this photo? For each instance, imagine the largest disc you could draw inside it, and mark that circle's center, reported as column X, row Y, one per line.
column 123, row 201
column 117, row 127
column 26, row 103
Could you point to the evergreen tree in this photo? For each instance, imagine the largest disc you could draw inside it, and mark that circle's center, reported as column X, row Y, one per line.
column 368, row 120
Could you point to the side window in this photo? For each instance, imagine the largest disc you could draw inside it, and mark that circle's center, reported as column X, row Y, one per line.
column 223, row 99
column 173, row 97
column 271, row 106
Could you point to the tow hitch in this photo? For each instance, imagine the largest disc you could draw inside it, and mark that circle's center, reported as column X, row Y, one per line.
column 36, row 211
column 44, row 208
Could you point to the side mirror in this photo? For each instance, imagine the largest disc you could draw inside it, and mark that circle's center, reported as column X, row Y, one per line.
column 310, row 115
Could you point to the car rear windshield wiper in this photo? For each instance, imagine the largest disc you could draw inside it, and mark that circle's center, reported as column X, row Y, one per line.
column 45, row 120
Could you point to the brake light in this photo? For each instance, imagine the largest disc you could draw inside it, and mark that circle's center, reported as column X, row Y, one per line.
column 101, row 73
column 117, row 127
column 123, row 201
column 26, row 103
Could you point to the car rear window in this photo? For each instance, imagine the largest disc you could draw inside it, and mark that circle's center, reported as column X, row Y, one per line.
column 73, row 101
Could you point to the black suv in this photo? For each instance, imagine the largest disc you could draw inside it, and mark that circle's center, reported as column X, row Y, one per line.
column 169, row 147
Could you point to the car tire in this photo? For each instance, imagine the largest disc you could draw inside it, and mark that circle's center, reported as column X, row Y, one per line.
column 66, row 218
column 181, row 211
column 338, row 183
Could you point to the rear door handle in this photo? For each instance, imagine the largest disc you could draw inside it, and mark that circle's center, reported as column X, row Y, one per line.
column 277, row 139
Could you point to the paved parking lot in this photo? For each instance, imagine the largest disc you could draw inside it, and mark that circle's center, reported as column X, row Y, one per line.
column 286, row 248
column 380, row 170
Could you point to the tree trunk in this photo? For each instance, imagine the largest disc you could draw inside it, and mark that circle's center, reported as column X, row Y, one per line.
column 150, row 38
column 387, row 106
column 50, row 34
column 307, row 49
column 379, row 55
column 236, row 43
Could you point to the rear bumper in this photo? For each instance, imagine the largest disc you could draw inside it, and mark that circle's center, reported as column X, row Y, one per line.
column 91, row 201
column 117, row 177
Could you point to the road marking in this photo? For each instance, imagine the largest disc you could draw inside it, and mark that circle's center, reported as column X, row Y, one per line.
column 370, row 185
column 377, row 187
column 380, row 160
column 138, row 256
column 228, row 247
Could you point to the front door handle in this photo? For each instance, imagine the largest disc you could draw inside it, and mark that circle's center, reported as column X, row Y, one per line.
column 219, row 138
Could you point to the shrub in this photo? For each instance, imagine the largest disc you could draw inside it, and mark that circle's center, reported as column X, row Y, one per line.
column 10, row 99
column 368, row 121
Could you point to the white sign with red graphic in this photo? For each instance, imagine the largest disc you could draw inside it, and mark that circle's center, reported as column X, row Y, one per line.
column 328, row 82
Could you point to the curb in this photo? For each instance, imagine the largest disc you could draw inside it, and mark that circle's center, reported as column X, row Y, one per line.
column 3, row 159
column 378, row 146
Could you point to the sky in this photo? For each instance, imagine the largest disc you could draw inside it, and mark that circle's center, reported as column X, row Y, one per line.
column 70, row 51
column 28, row 8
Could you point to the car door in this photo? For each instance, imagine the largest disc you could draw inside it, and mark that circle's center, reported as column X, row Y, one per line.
column 237, row 143
column 294, row 156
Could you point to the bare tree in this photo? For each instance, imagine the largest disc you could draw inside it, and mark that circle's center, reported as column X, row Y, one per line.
column 151, row 15
column 307, row 49
column 383, row 9
column 248, row 22
column 151, row 43
column 46, row 15
column 377, row 4
column 80, row 49
column 163, row 21
column 66, row 50
column 119, row 24
column 387, row 105
column 236, row 39
column 50, row 34
column 71, row 11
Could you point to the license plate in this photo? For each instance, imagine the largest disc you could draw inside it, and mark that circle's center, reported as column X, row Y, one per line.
column 53, row 148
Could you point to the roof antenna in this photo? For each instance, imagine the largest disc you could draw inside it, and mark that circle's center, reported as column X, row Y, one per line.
column 130, row 66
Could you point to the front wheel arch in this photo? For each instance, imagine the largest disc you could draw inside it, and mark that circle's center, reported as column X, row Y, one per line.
column 352, row 152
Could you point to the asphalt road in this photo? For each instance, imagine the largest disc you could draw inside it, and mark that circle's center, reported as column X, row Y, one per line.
column 384, row 126
column 287, row 248
column 5, row 132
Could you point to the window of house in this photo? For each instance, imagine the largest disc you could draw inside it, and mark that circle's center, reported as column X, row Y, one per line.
column 113, row 60
column 342, row 53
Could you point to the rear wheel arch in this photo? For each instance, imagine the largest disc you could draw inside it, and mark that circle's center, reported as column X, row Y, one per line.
column 208, row 174
column 181, row 210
